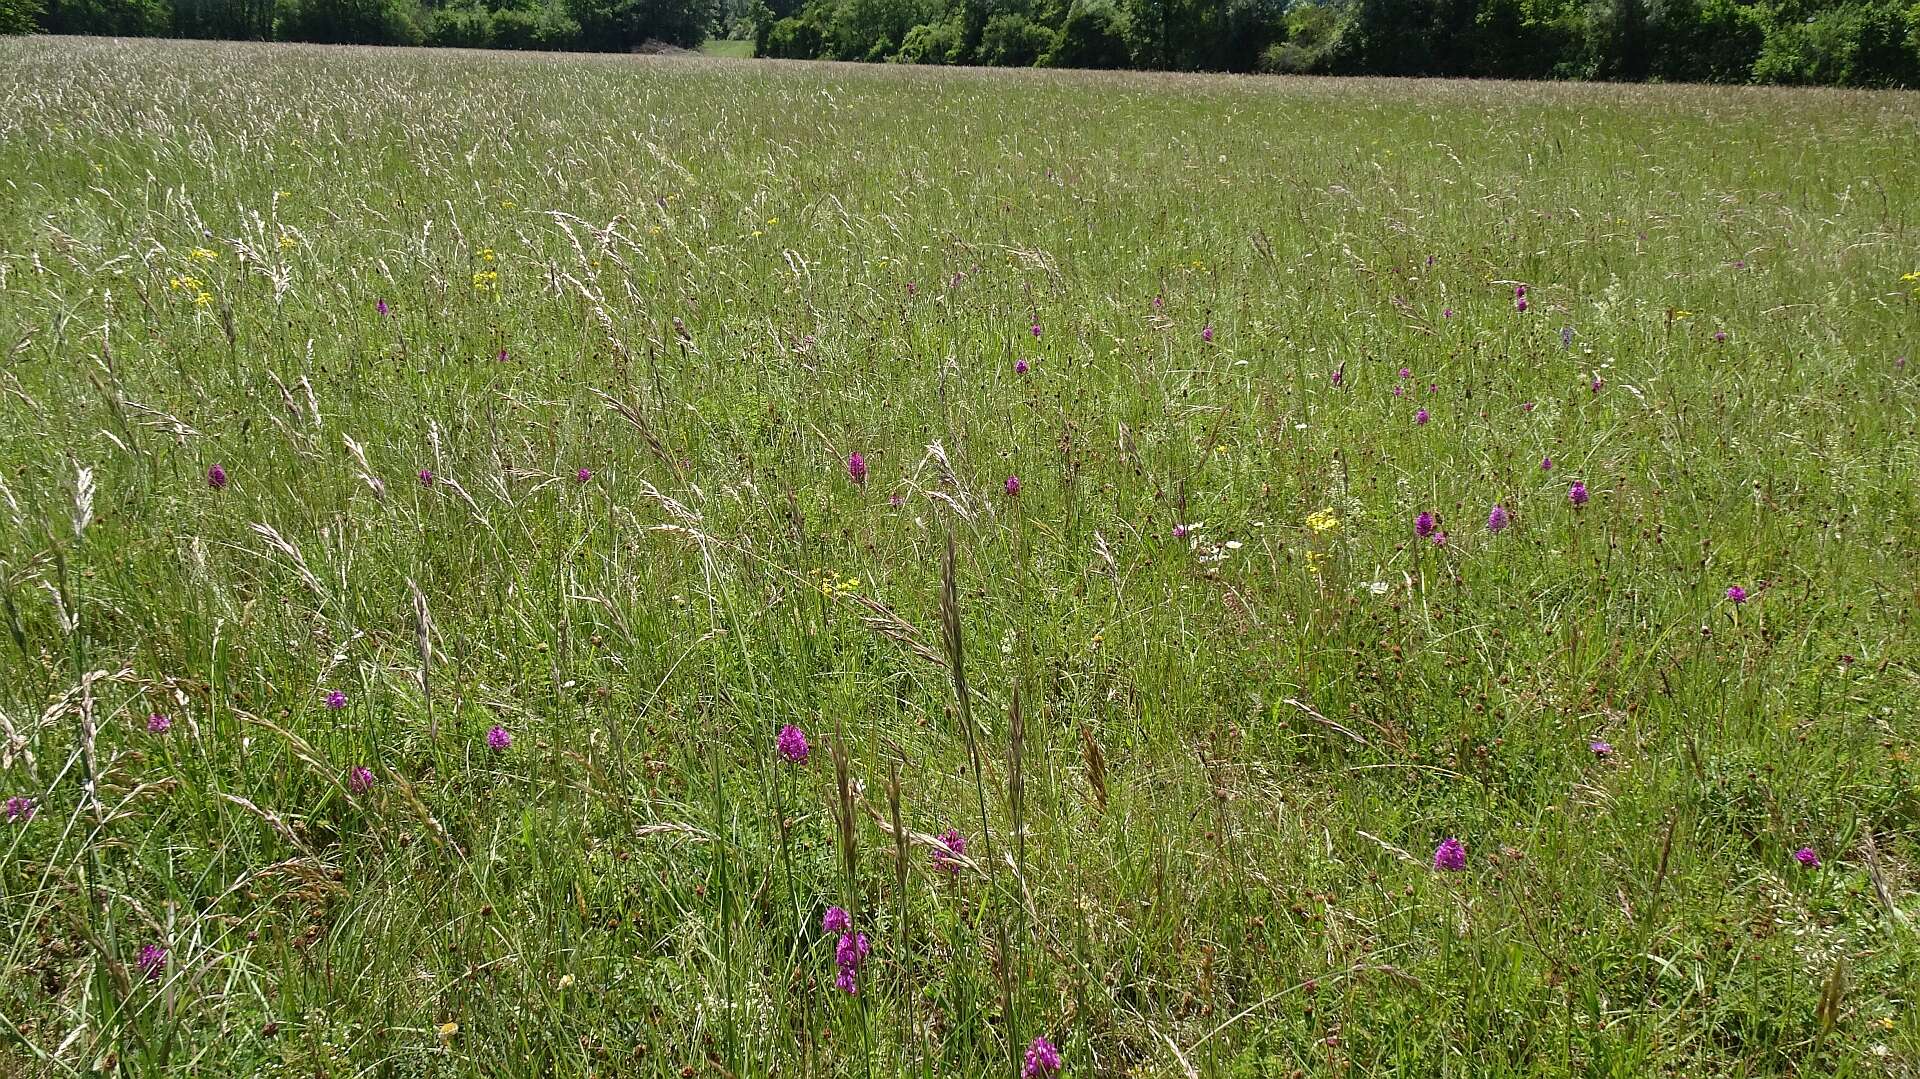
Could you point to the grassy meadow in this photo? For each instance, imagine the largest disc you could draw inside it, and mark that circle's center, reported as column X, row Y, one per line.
column 430, row 490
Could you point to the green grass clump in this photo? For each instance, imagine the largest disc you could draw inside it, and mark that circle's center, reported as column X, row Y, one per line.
column 534, row 382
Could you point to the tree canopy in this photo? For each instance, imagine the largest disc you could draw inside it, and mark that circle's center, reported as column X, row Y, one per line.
column 1871, row 43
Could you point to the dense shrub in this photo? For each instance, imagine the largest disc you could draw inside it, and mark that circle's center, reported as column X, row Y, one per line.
column 119, row 18
column 463, row 27
column 619, row 25
column 546, row 29
column 19, row 16
column 873, row 29
column 932, row 43
column 1094, row 35
column 348, row 22
column 795, row 37
column 1705, row 40
column 1011, row 40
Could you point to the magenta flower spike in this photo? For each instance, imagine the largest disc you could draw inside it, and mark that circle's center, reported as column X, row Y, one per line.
column 792, row 744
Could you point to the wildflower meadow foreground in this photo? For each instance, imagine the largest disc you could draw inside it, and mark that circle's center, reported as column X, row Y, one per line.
column 550, row 565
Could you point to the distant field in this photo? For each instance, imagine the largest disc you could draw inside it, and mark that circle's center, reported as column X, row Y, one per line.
column 1434, row 571
column 741, row 50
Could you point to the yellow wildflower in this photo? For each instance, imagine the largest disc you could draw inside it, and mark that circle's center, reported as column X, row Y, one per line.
column 200, row 253
column 1323, row 520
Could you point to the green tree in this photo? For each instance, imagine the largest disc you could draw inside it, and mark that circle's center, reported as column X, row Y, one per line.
column 20, row 16
column 1011, row 40
column 1705, row 40
column 1407, row 37
column 120, row 18
column 619, row 25
column 932, row 43
column 874, row 29
column 1094, row 35
column 349, row 22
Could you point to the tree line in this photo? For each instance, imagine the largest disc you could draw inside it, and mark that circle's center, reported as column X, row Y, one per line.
column 574, row 25
column 1826, row 42
column 1874, row 43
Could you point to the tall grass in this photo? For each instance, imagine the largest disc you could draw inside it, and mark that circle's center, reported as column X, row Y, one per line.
column 534, row 380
